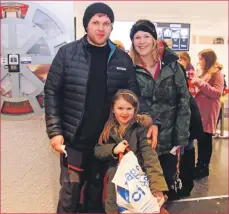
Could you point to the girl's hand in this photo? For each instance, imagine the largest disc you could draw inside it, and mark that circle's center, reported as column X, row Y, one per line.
column 121, row 147
column 159, row 196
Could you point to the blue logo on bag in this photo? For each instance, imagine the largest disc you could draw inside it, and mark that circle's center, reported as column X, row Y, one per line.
column 134, row 174
column 124, row 193
column 136, row 196
column 122, row 209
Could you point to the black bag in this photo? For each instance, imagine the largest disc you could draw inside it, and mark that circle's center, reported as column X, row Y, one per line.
column 196, row 128
column 177, row 186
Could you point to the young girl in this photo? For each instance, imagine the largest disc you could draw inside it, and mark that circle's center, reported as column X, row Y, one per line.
column 126, row 128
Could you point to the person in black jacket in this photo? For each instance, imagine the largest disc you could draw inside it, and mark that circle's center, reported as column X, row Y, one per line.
column 83, row 77
column 187, row 161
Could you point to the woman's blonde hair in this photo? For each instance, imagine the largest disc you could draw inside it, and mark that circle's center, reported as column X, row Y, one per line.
column 112, row 123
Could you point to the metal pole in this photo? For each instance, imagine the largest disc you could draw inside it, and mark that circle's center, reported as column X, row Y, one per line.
column 222, row 122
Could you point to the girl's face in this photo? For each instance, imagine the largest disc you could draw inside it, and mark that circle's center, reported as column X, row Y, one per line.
column 202, row 62
column 123, row 111
column 143, row 43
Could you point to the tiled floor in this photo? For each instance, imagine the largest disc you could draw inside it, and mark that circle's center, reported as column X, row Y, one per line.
column 215, row 186
column 200, row 206
column 217, row 183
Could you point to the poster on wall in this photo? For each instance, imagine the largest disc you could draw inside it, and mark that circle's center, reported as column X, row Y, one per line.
column 34, row 31
column 176, row 35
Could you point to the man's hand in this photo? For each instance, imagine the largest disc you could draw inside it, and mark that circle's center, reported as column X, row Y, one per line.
column 153, row 133
column 56, row 143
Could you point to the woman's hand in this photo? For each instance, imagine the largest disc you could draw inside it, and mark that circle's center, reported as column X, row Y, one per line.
column 153, row 133
column 194, row 79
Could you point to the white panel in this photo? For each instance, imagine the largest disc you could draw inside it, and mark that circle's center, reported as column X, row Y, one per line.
column 121, row 32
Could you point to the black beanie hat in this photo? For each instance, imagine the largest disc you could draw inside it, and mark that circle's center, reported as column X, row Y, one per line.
column 94, row 8
column 143, row 25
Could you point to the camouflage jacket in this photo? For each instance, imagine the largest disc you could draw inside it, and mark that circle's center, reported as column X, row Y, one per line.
column 169, row 100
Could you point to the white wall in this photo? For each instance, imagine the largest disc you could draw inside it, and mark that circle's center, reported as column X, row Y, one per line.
column 29, row 168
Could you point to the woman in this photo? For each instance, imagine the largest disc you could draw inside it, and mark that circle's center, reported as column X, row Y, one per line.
column 163, row 85
column 209, row 90
column 185, row 60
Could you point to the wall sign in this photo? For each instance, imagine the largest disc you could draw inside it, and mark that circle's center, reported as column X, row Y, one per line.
column 176, row 35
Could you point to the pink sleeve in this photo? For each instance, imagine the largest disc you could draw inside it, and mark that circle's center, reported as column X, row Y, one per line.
column 215, row 90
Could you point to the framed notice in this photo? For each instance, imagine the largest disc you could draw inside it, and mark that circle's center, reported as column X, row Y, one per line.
column 177, row 35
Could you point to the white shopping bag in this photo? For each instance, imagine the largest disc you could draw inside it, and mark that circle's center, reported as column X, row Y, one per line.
column 132, row 188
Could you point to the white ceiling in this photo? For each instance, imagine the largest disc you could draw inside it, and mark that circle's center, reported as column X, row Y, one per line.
column 195, row 10
column 205, row 17
column 203, row 13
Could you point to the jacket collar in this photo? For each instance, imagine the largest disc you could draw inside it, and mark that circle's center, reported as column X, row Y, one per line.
column 116, row 137
column 86, row 43
column 168, row 56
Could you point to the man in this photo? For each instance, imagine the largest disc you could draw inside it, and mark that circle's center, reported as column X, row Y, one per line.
column 83, row 77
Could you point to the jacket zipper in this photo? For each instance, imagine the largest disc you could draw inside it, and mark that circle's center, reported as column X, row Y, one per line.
column 108, row 61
